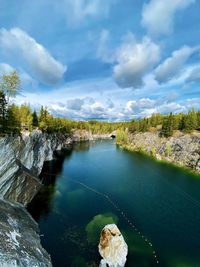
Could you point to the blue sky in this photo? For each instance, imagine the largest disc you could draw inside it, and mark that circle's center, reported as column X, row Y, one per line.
column 103, row 59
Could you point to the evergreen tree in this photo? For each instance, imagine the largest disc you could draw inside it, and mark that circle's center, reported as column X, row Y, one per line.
column 189, row 121
column 35, row 119
column 3, row 112
column 13, row 119
column 167, row 127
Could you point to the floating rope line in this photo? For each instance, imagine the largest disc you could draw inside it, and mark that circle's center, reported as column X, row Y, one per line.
column 121, row 212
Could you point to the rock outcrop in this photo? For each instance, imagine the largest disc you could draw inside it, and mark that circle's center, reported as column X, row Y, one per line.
column 19, row 238
column 21, row 161
column 112, row 247
column 83, row 135
column 181, row 149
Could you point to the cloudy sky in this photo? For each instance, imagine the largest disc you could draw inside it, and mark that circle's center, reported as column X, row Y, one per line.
column 103, row 59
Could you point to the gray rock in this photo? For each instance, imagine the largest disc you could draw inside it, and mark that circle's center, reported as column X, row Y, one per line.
column 182, row 150
column 21, row 161
column 19, row 237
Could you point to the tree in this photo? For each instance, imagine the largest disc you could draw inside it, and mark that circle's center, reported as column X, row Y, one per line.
column 13, row 119
column 35, row 119
column 189, row 121
column 3, row 112
column 10, row 84
column 167, row 127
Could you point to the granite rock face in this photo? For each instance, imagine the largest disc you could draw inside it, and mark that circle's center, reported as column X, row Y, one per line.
column 21, row 161
column 183, row 149
column 19, row 238
column 112, row 247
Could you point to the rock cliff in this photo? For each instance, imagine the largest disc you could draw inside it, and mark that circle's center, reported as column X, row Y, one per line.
column 21, row 161
column 181, row 149
column 19, row 238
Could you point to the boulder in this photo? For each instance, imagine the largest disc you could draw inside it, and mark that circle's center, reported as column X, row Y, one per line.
column 112, row 247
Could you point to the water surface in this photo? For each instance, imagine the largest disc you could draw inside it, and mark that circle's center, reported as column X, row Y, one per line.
column 160, row 201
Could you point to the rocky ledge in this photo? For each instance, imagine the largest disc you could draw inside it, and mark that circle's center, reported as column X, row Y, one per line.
column 180, row 149
column 19, row 237
column 21, row 161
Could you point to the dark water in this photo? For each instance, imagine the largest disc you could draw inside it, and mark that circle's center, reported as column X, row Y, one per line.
column 162, row 201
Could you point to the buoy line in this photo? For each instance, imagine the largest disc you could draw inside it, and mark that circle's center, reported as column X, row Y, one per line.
column 121, row 212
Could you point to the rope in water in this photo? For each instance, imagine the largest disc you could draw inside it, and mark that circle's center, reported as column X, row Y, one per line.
column 121, row 212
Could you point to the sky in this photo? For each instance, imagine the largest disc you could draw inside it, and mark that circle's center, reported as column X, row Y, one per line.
column 108, row 60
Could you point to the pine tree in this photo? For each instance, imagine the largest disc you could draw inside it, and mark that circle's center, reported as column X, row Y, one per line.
column 167, row 127
column 13, row 119
column 3, row 112
column 35, row 119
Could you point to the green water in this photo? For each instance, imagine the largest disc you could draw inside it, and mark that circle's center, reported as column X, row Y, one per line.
column 161, row 201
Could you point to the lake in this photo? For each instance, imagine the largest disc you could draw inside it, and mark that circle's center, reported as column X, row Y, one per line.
column 156, row 207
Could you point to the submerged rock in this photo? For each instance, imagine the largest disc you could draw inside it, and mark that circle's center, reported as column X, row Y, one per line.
column 112, row 247
column 20, row 240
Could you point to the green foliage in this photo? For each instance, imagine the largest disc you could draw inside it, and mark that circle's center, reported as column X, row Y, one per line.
column 121, row 137
column 168, row 150
column 190, row 121
column 153, row 151
column 3, row 112
column 10, row 84
column 35, row 121
column 167, row 126
column 14, row 125
column 167, row 123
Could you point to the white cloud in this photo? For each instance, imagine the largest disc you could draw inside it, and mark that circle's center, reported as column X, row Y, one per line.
column 78, row 10
column 5, row 68
column 75, row 104
column 158, row 15
column 134, row 61
column 137, row 106
column 194, row 75
column 145, row 107
column 173, row 107
column 172, row 66
column 38, row 60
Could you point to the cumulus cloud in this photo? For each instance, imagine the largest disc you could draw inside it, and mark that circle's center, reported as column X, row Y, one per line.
column 145, row 107
column 84, row 109
column 38, row 60
column 78, row 10
column 75, row 104
column 134, row 61
column 172, row 66
column 158, row 15
column 137, row 106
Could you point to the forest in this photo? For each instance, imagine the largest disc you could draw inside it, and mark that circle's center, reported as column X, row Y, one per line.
column 15, row 118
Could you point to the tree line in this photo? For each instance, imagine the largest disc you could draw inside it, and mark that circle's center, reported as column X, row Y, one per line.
column 14, row 118
column 166, row 124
